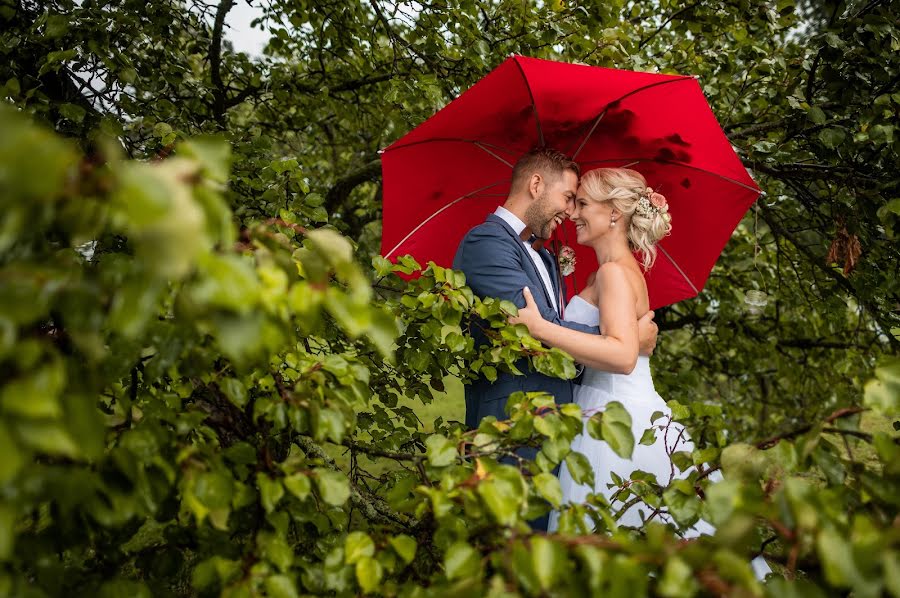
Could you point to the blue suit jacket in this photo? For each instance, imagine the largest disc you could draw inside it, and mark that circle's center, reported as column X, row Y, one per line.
column 496, row 264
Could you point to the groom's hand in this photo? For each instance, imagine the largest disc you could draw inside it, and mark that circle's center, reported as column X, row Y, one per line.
column 647, row 331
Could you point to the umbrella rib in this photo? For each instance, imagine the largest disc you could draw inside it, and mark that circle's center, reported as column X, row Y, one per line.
column 457, row 139
column 677, row 267
column 540, row 131
column 480, row 145
column 449, row 205
column 606, row 108
column 683, row 165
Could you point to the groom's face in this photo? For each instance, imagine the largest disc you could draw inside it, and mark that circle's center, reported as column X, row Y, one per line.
column 554, row 203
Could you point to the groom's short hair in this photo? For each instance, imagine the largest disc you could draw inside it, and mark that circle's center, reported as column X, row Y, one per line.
column 549, row 162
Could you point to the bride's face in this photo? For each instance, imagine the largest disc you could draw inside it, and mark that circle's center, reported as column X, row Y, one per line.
column 591, row 217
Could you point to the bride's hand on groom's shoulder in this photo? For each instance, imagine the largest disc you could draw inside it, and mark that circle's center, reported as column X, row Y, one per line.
column 647, row 332
column 529, row 315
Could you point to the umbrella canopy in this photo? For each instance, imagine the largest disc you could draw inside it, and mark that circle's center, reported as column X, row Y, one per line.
column 446, row 175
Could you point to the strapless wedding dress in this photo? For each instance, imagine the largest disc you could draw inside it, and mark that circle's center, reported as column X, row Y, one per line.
column 636, row 392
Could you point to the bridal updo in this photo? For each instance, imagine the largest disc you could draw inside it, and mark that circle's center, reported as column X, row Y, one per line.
column 645, row 212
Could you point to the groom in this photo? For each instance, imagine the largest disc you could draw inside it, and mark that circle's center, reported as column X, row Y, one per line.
column 500, row 257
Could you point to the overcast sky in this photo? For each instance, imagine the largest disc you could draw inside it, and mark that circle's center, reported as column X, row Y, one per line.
column 245, row 38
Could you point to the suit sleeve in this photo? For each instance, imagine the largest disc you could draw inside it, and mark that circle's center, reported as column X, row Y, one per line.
column 493, row 267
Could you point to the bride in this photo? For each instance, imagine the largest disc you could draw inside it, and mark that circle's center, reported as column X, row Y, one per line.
column 616, row 214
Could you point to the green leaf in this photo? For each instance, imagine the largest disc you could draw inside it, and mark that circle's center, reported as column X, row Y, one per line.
column 816, row 115
column 329, row 423
column 549, row 425
column 7, row 530
column 13, row 457
column 836, row 554
column 368, row 574
column 161, row 129
column 440, row 450
column 57, row 26
column 281, row 586
column 504, row 492
column 356, row 546
column 47, row 437
column 548, row 561
column 212, row 570
column 743, row 461
column 883, row 392
column 298, row 484
column 891, row 566
column 235, row 390
column 382, row 266
column 271, row 491
column 73, row 112
column 677, row 580
column 330, row 244
column 214, row 489
column 801, row 588
column 830, row 464
column 276, row 550
column 548, row 486
column 37, row 393
column 648, row 438
column 461, row 561
column 613, row 426
column 580, row 469
column 682, row 502
column 882, row 134
column 213, row 153
column 382, row 332
column 334, row 487
column 124, row 588
column 405, row 547
column 832, row 137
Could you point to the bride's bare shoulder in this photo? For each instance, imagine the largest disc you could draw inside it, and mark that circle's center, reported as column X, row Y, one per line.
column 610, row 272
column 614, row 276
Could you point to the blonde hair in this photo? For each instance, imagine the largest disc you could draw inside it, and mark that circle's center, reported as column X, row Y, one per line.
column 625, row 188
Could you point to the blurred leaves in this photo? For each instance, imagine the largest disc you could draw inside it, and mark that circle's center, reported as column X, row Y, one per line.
column 211, row 383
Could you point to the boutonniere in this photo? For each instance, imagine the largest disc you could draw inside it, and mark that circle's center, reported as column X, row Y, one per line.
column 566, row 260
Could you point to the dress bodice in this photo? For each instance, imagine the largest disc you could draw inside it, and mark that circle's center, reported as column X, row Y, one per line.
column 639, row 380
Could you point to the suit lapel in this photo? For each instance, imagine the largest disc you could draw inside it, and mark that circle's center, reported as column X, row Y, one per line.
column 550, row 262
column 529, row 263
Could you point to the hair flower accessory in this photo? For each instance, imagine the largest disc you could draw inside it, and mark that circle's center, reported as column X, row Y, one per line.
column 566, row 259
column 652, row 203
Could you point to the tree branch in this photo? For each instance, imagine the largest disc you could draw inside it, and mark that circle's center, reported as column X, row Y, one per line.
column 215, row 62
column 342, row 188
column 373, row 507
column 819, row 262
column 674, row 16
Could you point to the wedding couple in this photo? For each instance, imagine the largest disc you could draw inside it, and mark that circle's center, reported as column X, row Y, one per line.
column 608, row 327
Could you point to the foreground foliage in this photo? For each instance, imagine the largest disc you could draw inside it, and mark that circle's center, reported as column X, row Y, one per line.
column 210, row 419
column 204, row 390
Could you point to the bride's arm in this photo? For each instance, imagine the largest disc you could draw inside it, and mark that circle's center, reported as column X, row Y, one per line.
column 616, row 348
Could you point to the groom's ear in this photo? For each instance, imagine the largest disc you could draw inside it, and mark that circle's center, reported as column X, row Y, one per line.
column 535, row 185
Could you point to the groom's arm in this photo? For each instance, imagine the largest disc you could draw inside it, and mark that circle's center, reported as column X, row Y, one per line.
column 493, row 268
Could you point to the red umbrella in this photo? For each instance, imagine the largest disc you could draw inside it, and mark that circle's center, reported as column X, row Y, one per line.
column 446, row 175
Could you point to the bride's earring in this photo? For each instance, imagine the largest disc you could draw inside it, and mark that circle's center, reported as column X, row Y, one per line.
column 612, row 222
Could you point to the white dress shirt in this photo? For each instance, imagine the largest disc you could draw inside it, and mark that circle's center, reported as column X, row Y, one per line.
column 518, row 226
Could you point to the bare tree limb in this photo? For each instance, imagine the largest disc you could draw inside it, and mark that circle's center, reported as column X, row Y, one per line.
column 339, row 192
column 215, row 62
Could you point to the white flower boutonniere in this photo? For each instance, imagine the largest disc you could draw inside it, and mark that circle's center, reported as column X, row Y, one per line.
column 566, row 259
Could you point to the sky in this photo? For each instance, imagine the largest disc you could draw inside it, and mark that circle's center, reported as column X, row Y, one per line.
column 245, row 38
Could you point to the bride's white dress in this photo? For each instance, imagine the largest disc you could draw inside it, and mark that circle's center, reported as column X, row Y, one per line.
column 636, row 392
